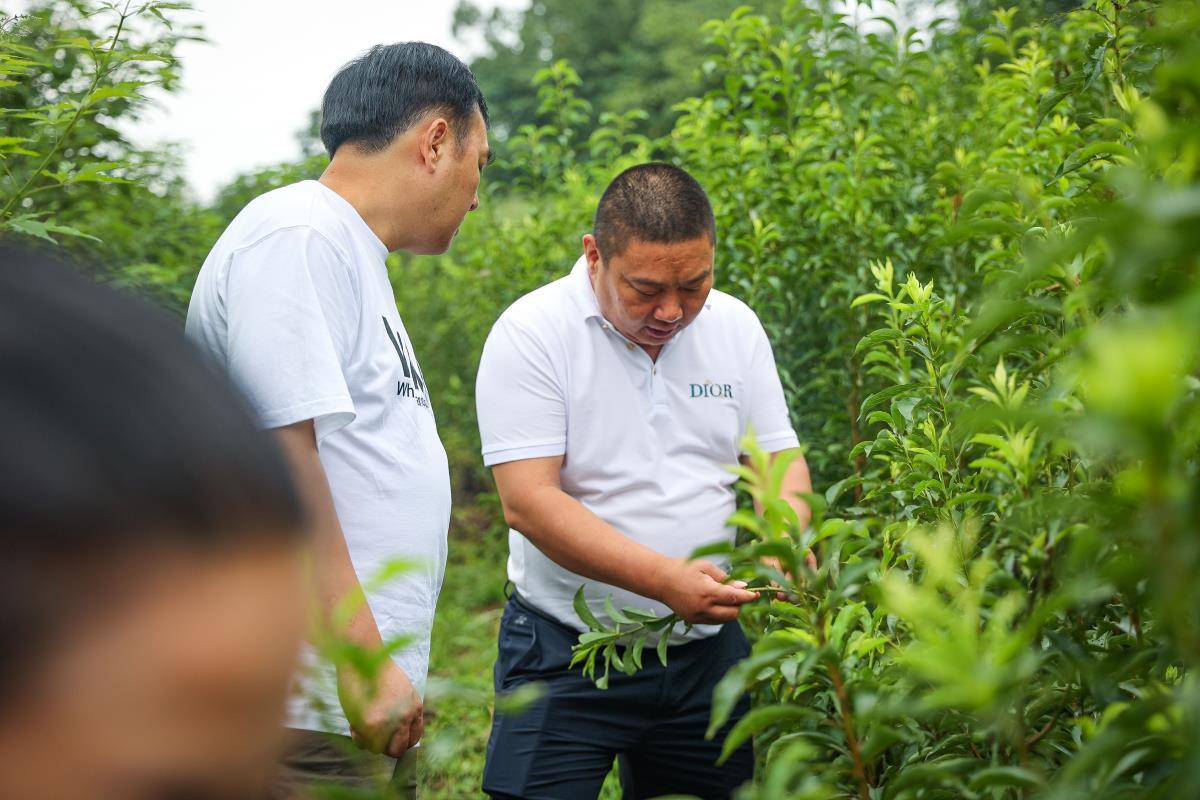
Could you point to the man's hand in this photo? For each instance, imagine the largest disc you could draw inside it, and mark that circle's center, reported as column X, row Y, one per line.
column 386, row 714
column 697, row 592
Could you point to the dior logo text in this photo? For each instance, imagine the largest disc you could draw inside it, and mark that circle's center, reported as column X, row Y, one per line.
column 711, row 390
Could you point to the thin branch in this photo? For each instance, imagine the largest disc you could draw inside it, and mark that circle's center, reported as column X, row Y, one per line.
column 860, row 767
column 102, row 72
column 1037, row 737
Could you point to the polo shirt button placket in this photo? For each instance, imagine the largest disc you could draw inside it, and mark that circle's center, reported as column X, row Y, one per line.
column 657, row 393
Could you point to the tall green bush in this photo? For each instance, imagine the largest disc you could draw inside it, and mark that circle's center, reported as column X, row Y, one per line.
column 1006, row 601
column 74, row 76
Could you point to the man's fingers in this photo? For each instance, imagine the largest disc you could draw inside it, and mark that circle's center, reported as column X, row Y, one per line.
column 711, row 570
column 719, row 615
column 734, row 595
column 399, row 743
column 417, row 729
column 370, row 741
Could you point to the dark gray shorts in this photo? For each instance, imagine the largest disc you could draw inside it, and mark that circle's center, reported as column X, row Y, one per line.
column 315, row 759
column 653, row 722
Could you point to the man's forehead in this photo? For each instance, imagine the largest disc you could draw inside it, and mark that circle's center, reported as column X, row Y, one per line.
column 692, row 256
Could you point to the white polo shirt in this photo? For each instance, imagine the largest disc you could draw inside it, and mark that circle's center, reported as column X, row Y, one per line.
column 646, row 443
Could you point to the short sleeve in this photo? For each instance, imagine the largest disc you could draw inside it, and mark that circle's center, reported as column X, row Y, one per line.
column 291, row 305
column 768, row 407
column 519, row 398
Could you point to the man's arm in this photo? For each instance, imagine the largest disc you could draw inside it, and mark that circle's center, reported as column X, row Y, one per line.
column 575, row 538
column 386, row 714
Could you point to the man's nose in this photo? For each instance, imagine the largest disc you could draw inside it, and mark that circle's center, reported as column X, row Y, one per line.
column 669, row 311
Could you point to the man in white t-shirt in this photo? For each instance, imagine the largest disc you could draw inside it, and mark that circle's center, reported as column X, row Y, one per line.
column 294, row 301
column 610, row 403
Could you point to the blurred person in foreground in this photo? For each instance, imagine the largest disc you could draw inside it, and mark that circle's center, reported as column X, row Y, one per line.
column 151, row 569
column 294, row 301
column 610, row 402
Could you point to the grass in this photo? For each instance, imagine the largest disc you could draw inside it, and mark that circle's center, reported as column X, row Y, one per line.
column 463, row 651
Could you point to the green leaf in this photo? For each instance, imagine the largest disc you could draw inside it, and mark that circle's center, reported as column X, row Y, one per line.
column 714, row 549
column 977, row 198
column 389, row 573
column 1005, row 776
column 31, row 226
column 744, row 518
column 760, row 719
column 585, row 613
column 1079, row 80
column 634, row 653
column 661, row 647
column 872, row 297
column 1086, row 155
column 884, row 395
column 968, row 497
column 614, row 614
column 779, row 467
column 876, row 338
column 846, row 617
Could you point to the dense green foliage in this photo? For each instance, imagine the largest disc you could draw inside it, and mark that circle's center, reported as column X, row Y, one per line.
column 1006, row 599
column 975, row 252
column 629, row 53
column 73, row 76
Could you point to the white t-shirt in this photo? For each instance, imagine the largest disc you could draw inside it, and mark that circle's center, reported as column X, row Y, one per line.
column 294, row 301
column 646, row 443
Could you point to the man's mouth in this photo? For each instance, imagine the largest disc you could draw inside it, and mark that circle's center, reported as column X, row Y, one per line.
column 662, row 333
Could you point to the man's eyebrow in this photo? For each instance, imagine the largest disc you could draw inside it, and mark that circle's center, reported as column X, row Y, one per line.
column 700, row 277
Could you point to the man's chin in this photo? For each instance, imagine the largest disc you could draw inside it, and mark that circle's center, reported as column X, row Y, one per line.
column 433, row 248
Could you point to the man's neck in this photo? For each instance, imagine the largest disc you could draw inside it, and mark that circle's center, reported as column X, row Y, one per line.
column 356, row 186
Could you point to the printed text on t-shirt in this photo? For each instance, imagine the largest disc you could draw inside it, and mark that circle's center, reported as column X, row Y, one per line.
column 413, row 384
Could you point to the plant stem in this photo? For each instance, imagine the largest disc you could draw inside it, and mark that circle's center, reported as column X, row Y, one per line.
column 101, row 73
column 847, row 716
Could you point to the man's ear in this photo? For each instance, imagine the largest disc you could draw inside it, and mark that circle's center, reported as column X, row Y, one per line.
column 434, row 142
column 591, row 252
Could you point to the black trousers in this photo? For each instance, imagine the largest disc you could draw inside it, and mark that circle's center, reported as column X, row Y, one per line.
column 653, row 722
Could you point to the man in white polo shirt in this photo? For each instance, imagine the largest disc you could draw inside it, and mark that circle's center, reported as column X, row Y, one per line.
column 610, row 403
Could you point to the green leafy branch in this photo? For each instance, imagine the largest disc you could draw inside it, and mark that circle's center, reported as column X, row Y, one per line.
column 621, row 645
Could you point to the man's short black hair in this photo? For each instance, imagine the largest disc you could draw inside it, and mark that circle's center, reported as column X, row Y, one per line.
column 654, row 202
column 120, row 442
column 390, row 88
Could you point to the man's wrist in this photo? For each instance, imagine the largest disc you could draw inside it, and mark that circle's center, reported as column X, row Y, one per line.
column 658, row 578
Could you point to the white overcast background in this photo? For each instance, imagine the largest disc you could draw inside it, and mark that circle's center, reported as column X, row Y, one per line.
column 248, row 90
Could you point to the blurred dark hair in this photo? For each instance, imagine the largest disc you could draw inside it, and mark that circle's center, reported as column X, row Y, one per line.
column 653, row 202
column 390, row 88
column 120, row 442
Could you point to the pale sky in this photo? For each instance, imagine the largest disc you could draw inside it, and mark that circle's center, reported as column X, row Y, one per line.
column 248, row 91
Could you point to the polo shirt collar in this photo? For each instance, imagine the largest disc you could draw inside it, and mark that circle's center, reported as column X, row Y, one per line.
column 581, row 290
